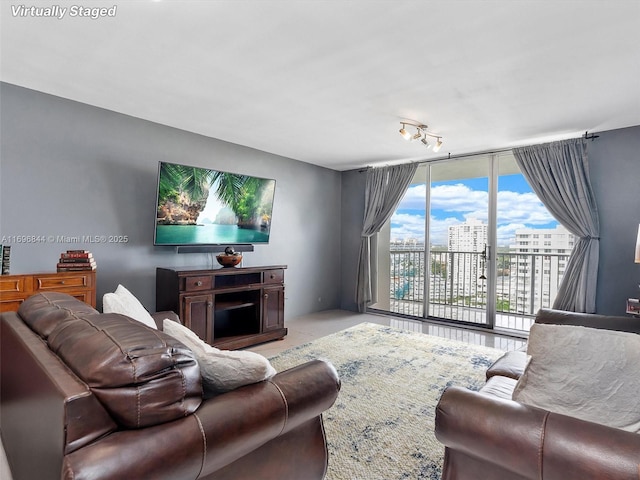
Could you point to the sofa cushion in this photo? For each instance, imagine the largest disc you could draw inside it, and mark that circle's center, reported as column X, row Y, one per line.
column 499, row 386
column 222, row 370
column 588, row 373
column 511, row 364
column 122, row 301
column 44, row 311
column 143, row 377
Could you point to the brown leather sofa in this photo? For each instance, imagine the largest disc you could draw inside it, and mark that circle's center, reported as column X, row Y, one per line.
column 97, row 396
column 488, row 436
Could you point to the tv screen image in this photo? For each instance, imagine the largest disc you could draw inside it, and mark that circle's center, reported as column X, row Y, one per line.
column 202, row 206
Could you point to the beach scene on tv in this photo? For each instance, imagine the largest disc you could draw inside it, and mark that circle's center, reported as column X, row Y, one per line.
column 200, row 206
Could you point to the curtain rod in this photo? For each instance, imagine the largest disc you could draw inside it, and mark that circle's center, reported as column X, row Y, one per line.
column 586, row 136
column 449, row 157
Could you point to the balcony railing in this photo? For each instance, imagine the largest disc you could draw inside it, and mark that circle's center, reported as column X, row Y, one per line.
column 457, row 287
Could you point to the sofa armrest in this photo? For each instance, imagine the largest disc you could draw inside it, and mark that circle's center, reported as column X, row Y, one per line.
column 238, row 422
column 511, row 365
column 224, row 429
column 591, row 320
column 493, row 430
column 159, row 317
column 575, row 449
column 503, row 435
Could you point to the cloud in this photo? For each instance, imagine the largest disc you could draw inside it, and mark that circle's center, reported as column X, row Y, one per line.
column 458, row 198
column 525, row 208
column 414, row 198
column 452, row 204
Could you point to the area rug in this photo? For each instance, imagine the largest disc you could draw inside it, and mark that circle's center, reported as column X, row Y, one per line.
column 382, row 424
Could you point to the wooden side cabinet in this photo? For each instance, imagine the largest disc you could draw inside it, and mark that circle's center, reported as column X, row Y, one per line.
column 15, row 289
column 228, row 308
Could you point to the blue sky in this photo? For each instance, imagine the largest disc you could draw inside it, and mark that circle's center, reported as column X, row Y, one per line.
column 453, row 202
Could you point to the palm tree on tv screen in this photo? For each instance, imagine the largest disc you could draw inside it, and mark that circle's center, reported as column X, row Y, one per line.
column 241, row 193
column 177, row 179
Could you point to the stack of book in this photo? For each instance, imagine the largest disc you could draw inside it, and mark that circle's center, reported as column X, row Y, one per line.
column 6, row 258
column 76, row 261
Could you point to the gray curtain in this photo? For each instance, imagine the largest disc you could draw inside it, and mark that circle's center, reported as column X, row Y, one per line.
column 559, row 174
column 385, row 188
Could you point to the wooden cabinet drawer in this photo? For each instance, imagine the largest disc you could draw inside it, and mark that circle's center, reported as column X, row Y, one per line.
column 14, row 284
column 194, row 284
column 7, row 305
column 61, row 282
column 274, row 276
column 85, row 296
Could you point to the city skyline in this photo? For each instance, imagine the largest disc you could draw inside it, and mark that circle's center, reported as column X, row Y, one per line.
column 455, row 201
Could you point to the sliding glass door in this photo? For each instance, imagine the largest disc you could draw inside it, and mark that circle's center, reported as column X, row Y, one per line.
column 460, row 246
column 532, row 250
column 460, row 241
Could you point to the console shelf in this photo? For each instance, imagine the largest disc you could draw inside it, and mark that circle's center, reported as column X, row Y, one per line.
column 233, row 305
column 228, row 308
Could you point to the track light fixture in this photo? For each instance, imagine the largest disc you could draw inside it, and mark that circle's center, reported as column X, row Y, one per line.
column 421, row 133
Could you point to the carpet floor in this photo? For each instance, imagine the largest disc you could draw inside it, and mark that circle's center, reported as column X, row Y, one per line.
column 382, row 424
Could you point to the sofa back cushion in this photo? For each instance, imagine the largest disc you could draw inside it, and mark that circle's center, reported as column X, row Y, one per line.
column 142, row 376
column 590, row 320
column 587, row 373
column 44, row 311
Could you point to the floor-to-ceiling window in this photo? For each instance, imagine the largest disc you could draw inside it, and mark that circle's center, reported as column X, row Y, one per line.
column 470, row 242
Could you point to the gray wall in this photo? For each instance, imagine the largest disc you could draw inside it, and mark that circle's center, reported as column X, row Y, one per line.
column 353, row 185
column 71, row 169
column 614, row 165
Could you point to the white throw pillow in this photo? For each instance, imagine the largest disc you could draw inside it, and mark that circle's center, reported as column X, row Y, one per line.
column 122, row 301
column 221, row 370
column 587, row 373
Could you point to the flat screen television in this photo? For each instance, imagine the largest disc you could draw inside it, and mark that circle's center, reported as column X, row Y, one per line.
column 202, row 206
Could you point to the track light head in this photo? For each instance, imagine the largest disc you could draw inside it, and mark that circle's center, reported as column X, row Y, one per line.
column 406, row 135
column 417, row 135
column 437, row 145
column 424, row 141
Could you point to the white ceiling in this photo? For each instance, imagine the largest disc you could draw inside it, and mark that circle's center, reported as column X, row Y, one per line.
column 328, row 82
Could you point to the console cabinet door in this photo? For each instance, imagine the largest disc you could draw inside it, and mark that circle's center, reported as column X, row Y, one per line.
column 272, row 308
column 197, row 315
